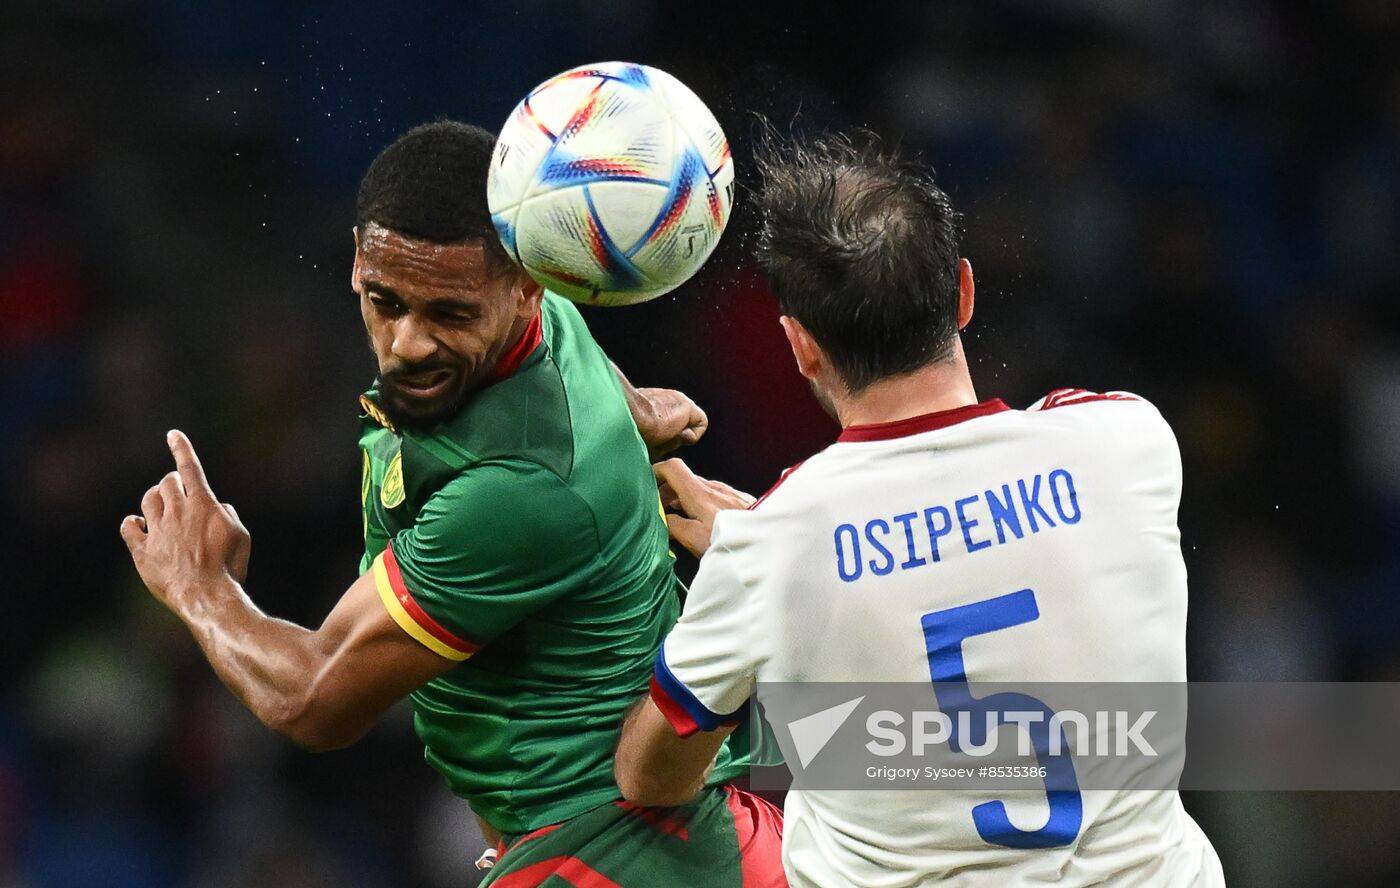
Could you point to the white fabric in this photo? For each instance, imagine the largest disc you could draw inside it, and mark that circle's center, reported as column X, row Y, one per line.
column 770, row 604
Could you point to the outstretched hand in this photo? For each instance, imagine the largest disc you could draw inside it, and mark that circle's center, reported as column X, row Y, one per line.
column 184, row 537
column 693, row 502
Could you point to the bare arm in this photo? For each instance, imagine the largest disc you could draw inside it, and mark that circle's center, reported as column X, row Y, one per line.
column 656, row 766
column 324, row 688
column 667, row 419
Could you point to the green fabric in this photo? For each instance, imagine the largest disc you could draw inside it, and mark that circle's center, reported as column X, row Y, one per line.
column 694, row 844
column 529, row 524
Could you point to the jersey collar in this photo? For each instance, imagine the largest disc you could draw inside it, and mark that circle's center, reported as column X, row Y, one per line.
column 369, row 407
column 885, row 431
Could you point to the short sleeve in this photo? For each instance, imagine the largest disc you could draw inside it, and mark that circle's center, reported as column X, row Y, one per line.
column 707, row 666
column 496, row 544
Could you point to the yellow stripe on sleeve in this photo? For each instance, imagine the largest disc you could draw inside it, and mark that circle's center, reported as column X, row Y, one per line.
column 405, row 619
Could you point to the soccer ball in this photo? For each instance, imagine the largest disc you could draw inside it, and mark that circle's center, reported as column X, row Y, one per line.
column 611, row 183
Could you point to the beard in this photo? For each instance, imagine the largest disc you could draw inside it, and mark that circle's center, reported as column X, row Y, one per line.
column 406, row 410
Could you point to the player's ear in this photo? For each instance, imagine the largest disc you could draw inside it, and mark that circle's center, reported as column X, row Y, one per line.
column 967, row 290
column 530, row 293
column 805, row 350
column 355, row 268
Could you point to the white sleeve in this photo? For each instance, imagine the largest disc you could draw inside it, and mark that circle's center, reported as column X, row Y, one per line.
column 706, row 668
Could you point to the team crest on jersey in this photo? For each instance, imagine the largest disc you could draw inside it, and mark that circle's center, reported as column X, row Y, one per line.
column 391, row 492
column 376, row 413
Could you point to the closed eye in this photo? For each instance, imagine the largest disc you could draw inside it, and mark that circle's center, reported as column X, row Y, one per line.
column 382, row 302
column 456, row 317
column 454, row 311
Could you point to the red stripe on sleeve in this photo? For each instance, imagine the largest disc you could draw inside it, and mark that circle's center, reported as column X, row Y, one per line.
column 680, row 720
column 420, row 616
column 1070, row 397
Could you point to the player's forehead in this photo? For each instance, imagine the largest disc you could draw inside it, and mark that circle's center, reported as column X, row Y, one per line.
column 409, row 265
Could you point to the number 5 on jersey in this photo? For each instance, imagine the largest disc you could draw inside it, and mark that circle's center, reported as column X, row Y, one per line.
column 944, row 633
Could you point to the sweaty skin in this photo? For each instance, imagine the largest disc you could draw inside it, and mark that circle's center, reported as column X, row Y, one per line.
column 439, row 317
column 322, row 688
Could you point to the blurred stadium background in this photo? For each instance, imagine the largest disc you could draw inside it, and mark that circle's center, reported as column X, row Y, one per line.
column 1197, row 201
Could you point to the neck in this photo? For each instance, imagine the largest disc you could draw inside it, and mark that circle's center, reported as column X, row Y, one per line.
column 523, row 337
column 946, row 385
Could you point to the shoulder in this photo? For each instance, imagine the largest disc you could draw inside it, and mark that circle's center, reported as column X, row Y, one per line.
column 786, row 530
column 782, row 478
column 799, row 491
column 505, row 480
column 798, row 484
column 1100, row 409
column 525, row 418
column 562, row 318
column 505, row 492
column 506, row 505
column 1071, row 397
column 558, row 306
column 1116, row 422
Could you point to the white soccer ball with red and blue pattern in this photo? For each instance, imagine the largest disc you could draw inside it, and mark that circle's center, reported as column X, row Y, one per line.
column 611, row 183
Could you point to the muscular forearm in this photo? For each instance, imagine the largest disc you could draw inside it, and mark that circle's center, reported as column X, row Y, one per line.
column 270, row 665
column 323, row 689
column 653, row 766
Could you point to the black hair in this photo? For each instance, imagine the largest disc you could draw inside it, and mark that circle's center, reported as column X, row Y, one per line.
column 860, row 246
column 430, row 184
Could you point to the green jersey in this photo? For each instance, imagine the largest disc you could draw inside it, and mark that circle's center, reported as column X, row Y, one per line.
column 524, row 538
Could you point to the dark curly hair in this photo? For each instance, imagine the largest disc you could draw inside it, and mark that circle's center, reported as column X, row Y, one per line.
column 430, row 184
column 860, row 246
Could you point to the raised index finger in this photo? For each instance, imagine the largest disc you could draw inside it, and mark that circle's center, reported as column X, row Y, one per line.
column 187, row 462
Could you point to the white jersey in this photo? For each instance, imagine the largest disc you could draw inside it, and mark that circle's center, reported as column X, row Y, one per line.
column 828, row 578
